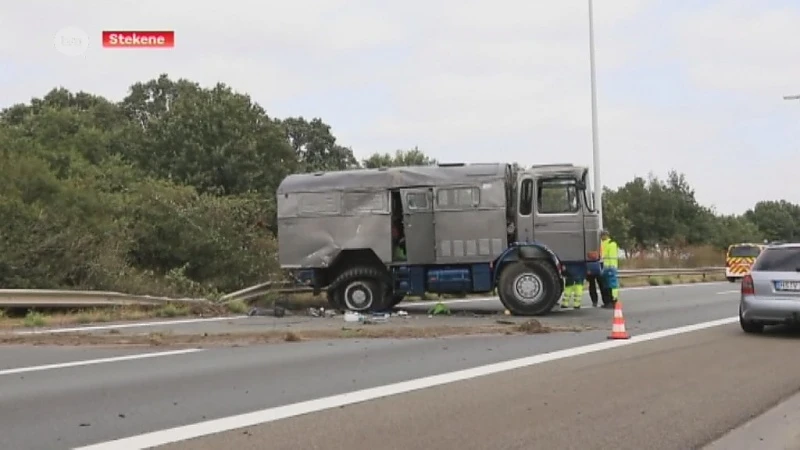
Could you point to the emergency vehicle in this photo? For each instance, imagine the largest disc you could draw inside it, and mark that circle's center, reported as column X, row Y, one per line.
column 739, row 259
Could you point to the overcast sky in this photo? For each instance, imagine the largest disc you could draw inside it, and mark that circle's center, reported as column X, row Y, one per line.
column 696, row 88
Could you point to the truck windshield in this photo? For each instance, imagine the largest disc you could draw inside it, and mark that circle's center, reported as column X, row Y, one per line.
column 744, row 251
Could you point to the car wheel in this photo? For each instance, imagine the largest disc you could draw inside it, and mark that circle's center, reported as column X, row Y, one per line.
column 749, row 326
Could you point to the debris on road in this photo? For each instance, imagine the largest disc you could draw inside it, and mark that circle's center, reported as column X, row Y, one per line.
column 268, row 329
column 439, row 309
column 275, row 311
column 351, row 317
column 373, row 318
column 532, row 326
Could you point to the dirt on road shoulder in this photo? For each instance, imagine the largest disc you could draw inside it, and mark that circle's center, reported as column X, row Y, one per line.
column 259, row 330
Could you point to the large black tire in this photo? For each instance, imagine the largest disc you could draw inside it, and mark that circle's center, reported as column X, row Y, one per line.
column 395, row 300
column 529, row 288
column 361, row 289
column 333, row 303
column 749, row 326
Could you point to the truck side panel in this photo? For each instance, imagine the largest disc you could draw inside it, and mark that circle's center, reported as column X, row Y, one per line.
column 591, row 229
column 320, row 225
column 443, row 279
column 470, row 223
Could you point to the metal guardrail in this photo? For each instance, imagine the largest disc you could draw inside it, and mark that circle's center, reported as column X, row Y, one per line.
column 628, row 273
column 42, row 298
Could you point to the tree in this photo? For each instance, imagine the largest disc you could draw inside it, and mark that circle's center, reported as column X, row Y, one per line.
column 413, row 157
column 615, row 218
column 215, row 140
column 733, row 229
column 315, row 146
column 777, row 220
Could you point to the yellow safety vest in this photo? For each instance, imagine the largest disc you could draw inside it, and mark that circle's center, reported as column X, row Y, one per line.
column 610, row 253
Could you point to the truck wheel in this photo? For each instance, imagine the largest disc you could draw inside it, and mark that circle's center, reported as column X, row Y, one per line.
column 332, row 301
column 395, row 299
column 360, row 289
column 529, row 288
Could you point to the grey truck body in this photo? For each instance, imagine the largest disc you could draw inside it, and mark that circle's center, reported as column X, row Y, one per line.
column 462, row 214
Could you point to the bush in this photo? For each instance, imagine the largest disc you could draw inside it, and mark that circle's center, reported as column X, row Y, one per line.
column 689, row 257
column 96, row 229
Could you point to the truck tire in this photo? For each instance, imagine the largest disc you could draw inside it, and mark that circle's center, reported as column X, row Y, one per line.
column 395, row 300
column 361, row 289
column 529, row 288
column 332, row 301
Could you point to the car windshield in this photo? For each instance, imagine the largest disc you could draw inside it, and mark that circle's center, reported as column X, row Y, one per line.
column 744, row 251
column 785, row 259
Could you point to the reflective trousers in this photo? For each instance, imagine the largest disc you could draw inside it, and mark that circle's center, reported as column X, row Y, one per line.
column 573, row 293
column 611, row 281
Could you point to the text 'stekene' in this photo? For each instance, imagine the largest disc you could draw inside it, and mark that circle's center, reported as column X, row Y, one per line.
column 138, row 39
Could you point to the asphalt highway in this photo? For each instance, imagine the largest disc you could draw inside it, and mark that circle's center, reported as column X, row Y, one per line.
column 672, row 390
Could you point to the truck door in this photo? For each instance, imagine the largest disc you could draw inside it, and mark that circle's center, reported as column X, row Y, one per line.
column 558, row 221
column 591, row 220
column 418, row 225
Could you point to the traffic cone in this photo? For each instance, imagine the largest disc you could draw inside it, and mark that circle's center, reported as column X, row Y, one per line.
column 618, row 325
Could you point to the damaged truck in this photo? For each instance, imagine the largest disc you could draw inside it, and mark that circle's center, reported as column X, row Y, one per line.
column 370, row 237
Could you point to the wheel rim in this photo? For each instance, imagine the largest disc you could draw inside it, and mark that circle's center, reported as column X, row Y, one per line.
column 358, row 296
column 528, row 288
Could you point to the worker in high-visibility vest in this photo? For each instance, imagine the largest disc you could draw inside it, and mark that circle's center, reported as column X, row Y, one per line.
column 573, row 288
column 609, row 252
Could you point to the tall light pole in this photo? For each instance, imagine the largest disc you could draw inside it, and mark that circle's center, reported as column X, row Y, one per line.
column 598, row 186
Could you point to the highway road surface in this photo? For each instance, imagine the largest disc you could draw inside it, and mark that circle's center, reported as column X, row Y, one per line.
column 686, row 378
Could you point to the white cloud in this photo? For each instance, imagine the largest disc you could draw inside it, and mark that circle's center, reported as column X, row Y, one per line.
column 747, row 48
column 468, row 80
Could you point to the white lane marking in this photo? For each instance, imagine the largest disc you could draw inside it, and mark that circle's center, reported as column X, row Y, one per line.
column 182, row 433
column 128, row 325
column 729, row 292
column 585, row 294
column 89, row 362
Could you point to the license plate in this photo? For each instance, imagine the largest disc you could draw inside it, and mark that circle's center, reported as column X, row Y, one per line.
column 791, row 286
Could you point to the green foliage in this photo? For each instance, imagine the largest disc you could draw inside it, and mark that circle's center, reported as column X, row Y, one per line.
column 413, row 157
column 648, row 213
column 34, row 319
column 171, row 192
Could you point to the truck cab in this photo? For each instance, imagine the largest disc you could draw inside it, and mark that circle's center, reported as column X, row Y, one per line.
column 555, row 207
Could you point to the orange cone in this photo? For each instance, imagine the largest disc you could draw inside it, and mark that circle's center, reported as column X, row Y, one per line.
column 618, row 326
